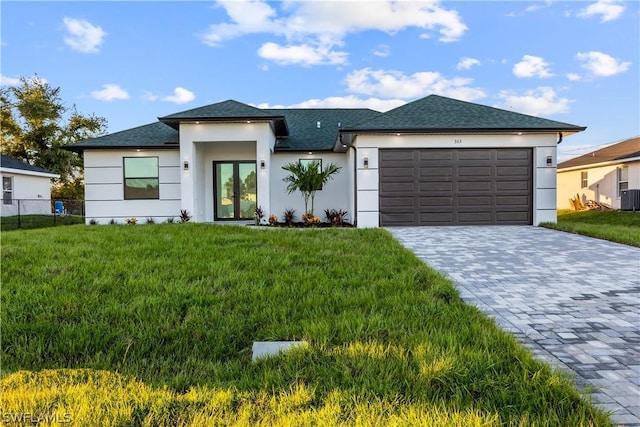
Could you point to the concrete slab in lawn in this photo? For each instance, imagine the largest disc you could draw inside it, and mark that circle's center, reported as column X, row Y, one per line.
column 273, row 348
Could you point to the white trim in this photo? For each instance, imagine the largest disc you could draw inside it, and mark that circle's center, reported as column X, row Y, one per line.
column 597, row 165
column 30, row 173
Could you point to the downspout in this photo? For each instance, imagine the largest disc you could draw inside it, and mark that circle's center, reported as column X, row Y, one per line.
column 355, row 180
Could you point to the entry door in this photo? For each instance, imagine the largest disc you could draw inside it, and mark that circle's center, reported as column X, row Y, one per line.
column 235, row 189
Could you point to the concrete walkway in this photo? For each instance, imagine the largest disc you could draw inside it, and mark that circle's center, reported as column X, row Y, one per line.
column 573, row 300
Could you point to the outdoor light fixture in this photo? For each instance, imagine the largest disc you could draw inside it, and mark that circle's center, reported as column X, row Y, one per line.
column 366, row 162
column 549, row 161
column 262, row 164
column 185, row 165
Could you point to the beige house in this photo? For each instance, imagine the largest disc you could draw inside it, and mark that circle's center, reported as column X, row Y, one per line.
column 603, row 176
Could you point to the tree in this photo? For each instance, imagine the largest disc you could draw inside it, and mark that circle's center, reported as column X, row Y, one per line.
column 308, row 179
column 35, row 126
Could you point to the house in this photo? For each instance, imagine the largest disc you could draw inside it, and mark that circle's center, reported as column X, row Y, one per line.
column 433, row 161
column 26, row 189
column 601, row 175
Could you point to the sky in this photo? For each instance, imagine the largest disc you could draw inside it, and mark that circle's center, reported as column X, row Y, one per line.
column 132, row 62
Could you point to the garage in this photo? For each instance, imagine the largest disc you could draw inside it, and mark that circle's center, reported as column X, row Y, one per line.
column 466, row 186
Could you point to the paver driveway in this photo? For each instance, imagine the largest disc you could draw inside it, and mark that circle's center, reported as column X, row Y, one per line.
column 573, row 300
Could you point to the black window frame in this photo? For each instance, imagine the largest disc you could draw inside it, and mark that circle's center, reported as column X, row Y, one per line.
column 5, row 200
column 126, row 196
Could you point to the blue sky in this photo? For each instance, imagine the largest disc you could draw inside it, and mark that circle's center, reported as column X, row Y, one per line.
column 130, row 62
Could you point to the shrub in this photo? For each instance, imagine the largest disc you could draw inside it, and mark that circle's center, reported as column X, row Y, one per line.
column 184, row 215
column 289, row 216
column 171, row 220
column 131, row 221
column 150, row 220
column 259, row 215
column 309, row 219
column 336, row 217
column 112, row 221
column 273, row 219
column 93, row 221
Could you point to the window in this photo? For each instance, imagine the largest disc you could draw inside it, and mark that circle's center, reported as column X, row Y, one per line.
column 307, row 162
column 7, row 190
column 584, row 179
column 623, row 179
column 141, row 178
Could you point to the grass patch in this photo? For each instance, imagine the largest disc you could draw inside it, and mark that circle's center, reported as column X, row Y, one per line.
column 615, row 226
column 28, row 222
column 153, row 325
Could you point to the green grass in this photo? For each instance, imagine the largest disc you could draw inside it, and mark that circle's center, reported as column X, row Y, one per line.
column 615, row 226
column 153, row 325
column 28, row 222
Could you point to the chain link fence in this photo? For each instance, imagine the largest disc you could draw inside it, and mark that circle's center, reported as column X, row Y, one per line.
column 36, row 213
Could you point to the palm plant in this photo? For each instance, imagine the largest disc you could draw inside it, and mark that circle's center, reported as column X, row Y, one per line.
column 308, row 179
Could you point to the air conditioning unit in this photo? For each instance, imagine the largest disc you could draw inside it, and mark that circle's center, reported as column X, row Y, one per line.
column 630, row 200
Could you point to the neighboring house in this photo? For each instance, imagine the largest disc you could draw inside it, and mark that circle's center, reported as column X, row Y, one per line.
column 433, row 161
column 26, row 189
column 601, row 175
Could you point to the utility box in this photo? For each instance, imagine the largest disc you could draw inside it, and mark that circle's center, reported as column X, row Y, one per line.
column 630, row 200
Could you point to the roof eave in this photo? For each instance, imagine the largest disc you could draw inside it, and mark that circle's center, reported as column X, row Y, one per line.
column 279, row 122
column 514, row 131
column 599, row 164
column 80, row 149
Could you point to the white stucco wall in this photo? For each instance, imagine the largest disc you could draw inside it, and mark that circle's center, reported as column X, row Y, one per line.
column 334, row 195
column 201, row 144
column 602, row 184
column 544, row 177
column 31, row 194
column 104, row 187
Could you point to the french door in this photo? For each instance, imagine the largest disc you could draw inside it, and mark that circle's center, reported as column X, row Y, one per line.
column 235, row 190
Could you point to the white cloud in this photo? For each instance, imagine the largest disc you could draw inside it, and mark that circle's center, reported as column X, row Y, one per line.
column 536, row 102
column 466, row 63
column 349, row 101
column 532, row 66
column 382, row 50
column 609, row 10
column 303, row 54
column 312, row 29
column 9, row 81
column 602, row 65
column 574, row 77
column 180, row 96
column 83, row 36
column 394, row 84
column 110, row 92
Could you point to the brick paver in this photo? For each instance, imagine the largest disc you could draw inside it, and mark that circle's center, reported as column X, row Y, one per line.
column 573, row 300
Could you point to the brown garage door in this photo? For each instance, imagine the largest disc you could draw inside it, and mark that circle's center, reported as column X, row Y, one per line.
column 455, row 186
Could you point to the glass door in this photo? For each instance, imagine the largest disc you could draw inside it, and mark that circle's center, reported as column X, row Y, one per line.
column 235, row 189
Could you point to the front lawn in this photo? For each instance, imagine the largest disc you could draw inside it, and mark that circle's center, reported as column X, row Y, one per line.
column 616, row 226
column 153, row 325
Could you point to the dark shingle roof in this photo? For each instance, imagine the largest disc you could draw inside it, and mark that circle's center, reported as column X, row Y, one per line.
column 153, row 135
column 304, row 133
column 11, row 163
column 626, row 149
column 225, row 111
column 437, row 113
column 297, row 130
